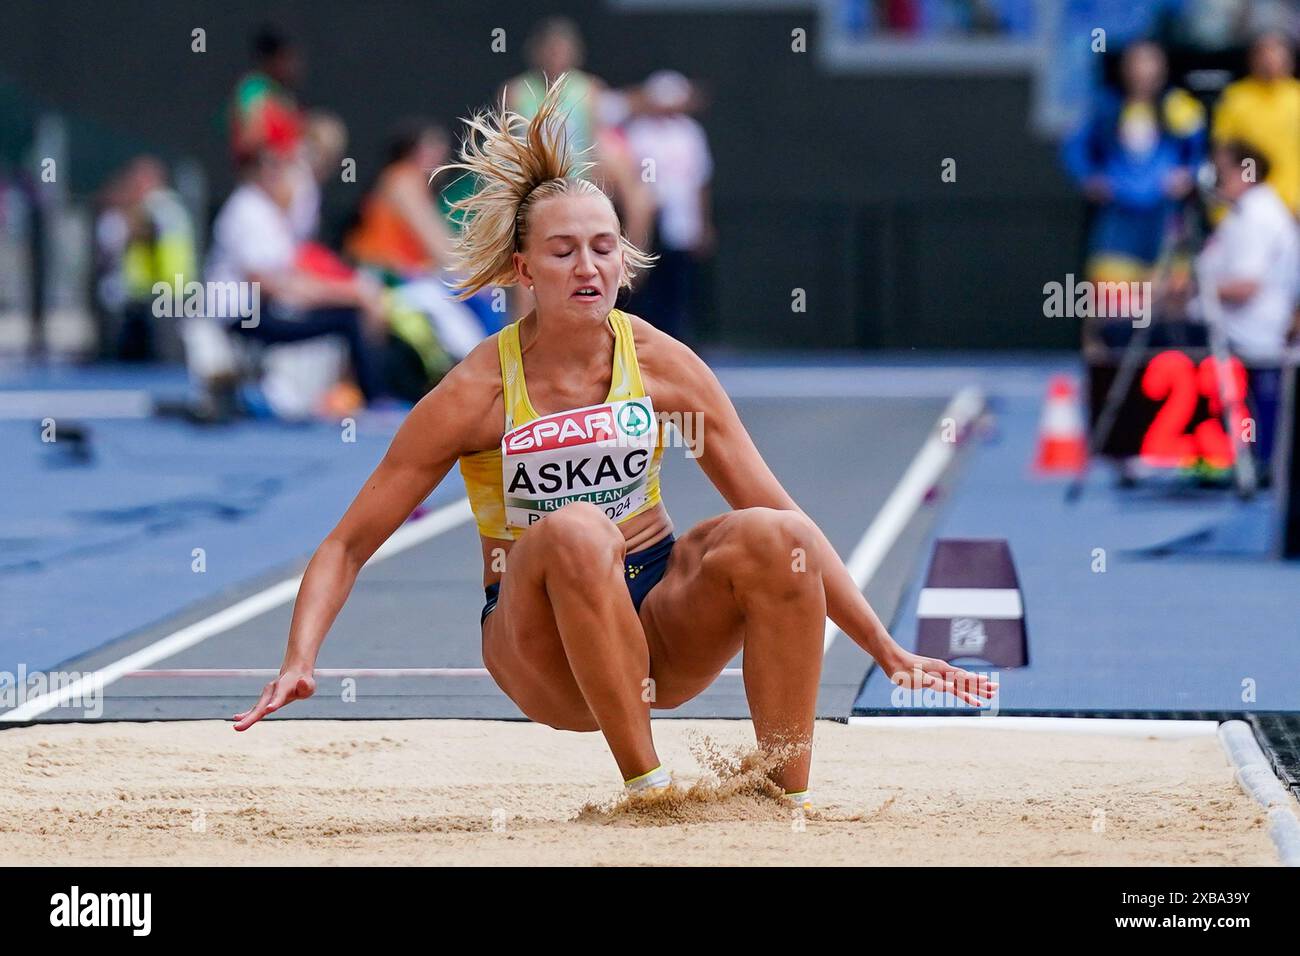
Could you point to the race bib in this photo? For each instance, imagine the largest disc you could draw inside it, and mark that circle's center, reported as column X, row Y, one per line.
column 601, row 454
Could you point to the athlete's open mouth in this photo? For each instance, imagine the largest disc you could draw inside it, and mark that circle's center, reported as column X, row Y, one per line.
column 586, row 292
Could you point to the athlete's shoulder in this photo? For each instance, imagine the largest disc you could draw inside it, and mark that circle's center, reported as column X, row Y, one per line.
column 651, row 343
column 481, row 368
column 668, row 366
column 466, row 405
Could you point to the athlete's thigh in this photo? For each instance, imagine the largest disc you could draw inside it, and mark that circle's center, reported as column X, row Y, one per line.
column 692, row 623
column 522, row 649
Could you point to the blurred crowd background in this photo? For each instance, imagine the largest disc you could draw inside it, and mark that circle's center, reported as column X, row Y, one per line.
column 847, row 174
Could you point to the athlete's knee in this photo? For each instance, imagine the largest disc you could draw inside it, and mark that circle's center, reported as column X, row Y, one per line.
column 767, row 553
column 773, row 541
column 559, row 716
column 580, row 540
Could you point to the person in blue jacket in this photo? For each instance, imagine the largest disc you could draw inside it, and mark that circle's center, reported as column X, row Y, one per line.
column 1136, row 157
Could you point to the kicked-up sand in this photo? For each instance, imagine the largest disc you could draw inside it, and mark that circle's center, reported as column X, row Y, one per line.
column 471, row 792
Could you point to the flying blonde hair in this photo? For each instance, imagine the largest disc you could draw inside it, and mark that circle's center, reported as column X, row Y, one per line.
column 516, row 163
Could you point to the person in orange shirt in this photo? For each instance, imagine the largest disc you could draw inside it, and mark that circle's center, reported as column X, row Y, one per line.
column 402, row 235
column 400, row 229
column 1264, row 109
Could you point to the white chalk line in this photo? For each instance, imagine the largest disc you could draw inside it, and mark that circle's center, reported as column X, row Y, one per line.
column 926, row 468
column 407, row 536
column 1111, row 726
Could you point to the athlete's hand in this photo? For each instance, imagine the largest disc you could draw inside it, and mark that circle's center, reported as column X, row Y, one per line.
column 292, row 684
column 916, row 672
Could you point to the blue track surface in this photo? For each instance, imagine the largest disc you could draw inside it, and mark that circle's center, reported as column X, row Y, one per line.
column 1189, row 615
column 93, row 551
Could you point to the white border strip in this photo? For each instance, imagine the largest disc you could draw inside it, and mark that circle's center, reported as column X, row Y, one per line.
column 407, row 536
column 1256, row 777
column 907, row 496
column 987, row 603
column 1113, row 726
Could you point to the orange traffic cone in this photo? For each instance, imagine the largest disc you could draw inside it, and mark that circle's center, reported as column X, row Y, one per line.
column 1062, row 445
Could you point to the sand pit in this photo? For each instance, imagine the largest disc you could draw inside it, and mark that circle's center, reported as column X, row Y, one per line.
column 479, row 792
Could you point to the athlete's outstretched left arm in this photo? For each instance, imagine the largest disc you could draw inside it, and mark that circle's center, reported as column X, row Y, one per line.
column 683, row 383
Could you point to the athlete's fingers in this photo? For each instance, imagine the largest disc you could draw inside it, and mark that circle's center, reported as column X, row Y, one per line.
column 254, row 714
column 976, row 683
column 249, row 717
column 958, row 689
column 948, row 685
column 261, row 700
column 965, row 686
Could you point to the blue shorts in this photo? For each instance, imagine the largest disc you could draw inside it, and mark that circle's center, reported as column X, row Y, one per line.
column 642, row 570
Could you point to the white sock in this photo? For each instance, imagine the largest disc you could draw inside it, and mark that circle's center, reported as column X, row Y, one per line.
column 658, row 777
column 800, row 798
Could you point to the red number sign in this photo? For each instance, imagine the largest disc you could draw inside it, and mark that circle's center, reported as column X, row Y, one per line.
column 1172, row 379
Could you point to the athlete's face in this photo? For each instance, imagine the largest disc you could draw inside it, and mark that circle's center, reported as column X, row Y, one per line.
column 572, row 258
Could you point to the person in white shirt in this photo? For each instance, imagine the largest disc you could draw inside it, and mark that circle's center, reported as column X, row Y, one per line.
column 1252, row 265
column 319, row 153
column 1253, row 257
column 254, row 241
column 682, row 170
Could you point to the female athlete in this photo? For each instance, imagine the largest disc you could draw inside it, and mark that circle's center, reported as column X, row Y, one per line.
column 595, row 613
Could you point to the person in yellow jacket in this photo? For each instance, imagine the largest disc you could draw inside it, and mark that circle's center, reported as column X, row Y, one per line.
column 1263, row 109
column 160, row 248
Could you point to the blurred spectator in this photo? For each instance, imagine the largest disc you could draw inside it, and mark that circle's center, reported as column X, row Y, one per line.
column 402, row 235
column 324, row 140
column 1253, row 257
column 555, row 48
column 112, row 231
column 913, row 18
column 1135, row 158
column 1252, row 265
column 591, row 114
column 1263, row 109
column 253, row 242
column 263, row 111
column 400, row 229
column 683, row 169
column 143, row 236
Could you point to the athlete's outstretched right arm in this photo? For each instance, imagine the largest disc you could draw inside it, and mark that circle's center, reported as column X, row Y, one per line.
column 434, row 434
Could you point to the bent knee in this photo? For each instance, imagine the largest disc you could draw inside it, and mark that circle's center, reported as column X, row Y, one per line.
column 767, row 550
column 579, row 539
column 772, row 538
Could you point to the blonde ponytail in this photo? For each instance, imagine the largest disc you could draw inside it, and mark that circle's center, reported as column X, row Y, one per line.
column 516, row 163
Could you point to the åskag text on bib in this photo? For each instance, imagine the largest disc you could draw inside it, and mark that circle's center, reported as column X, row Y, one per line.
column 600, row 454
